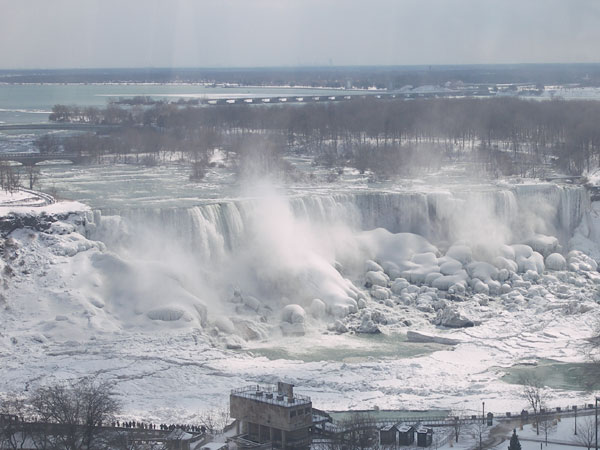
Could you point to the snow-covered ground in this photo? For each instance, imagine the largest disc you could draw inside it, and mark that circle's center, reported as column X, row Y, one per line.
column 561, row 434
column 23, row 200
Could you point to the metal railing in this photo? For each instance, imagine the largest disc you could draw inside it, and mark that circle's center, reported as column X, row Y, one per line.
column 258, row 392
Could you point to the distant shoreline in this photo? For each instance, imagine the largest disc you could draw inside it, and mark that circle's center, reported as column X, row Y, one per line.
column 200, row 84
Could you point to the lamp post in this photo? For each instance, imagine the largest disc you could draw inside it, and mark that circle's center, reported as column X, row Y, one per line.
column 483, row 411
column 482, row 425
column 596, row 413
column 575, row 409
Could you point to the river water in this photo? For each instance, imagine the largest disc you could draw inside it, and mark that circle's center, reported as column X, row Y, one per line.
column 31, row 103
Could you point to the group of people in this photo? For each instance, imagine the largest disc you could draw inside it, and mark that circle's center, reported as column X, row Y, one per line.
column 162, row 426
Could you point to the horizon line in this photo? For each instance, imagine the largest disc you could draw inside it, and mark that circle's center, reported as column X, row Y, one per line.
column 309, row 66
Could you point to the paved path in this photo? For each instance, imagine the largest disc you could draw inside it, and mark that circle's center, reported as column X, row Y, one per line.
column 553, row 441
column 499, row 433
column 43, row 199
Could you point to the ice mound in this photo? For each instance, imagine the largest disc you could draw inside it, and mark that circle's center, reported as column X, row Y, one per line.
column 482, row 270
column 445, row 282
column 131, row 288
column 580, row 262
column 449, row 265
column 224, row 324
column 166, row 313
column 504, row 263
column 398, row 248
column 292, row 320
column 380, row 293
column 452, row 317
column 293, row 314
column 420, row 267
column 367, row 325
column 318, row 308
column 461, row 253
column 377, row 278
column 556, row 261
column 543, row 244
column 372, row 266
column 431, row 284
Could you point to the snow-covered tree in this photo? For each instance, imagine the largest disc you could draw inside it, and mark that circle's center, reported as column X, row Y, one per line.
column 514, row 442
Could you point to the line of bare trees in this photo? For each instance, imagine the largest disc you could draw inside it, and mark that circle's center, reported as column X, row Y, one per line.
column 80, row 415
column 385, row 136
column 64, row 416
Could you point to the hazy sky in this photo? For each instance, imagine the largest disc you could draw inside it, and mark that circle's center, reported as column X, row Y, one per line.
column 217, row 33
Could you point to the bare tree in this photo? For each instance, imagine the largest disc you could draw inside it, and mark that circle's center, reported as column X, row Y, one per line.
column 592, row 350
column 47, row 143
column 215, row 420
column 33, row 175
column 548, row 425
column 14, row 431
column 535, row 394
column 440, row 437
column 358, row 432
column 477, row 431
column 457, row 422
column 76, row 410
column 586, row 433
column 10, row 179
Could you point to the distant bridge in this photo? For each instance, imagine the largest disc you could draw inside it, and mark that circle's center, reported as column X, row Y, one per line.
column 330, row 98
column 31, row 159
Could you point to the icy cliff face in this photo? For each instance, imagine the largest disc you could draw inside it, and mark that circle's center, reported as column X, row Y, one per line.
column 253, row 257
column 502, row 215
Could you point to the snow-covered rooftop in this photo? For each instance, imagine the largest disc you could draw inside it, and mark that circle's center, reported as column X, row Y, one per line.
column 269, row 394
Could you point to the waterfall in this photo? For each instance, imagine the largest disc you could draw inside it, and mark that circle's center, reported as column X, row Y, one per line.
column 509, row 214
column 284, row 250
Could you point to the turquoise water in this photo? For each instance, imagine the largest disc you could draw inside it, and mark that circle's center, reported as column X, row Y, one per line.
column 553, row 374
column 357, row 348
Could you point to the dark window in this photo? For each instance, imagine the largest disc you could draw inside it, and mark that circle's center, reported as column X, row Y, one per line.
column 293, row 413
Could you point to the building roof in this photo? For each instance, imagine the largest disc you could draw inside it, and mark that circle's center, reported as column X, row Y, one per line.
column 269, row 394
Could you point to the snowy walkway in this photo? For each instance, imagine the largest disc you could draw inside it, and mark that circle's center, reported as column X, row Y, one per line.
column 25, row 197
column 553, row 441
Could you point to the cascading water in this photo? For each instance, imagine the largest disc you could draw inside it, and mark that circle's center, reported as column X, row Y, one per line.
column 442, row 216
